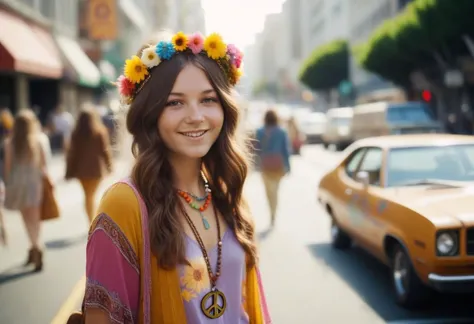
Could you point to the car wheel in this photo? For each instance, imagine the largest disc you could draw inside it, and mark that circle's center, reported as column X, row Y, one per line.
column 339, row 238
column 409, row 290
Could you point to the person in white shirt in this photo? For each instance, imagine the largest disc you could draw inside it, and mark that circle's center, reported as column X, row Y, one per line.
column 63, row 123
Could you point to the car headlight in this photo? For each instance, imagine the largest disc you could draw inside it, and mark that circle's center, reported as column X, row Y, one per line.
column 447, row 243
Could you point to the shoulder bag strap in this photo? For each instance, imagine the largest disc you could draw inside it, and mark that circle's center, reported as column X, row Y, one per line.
column 146, row 251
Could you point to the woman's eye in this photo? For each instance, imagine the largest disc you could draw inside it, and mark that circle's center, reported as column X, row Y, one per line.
column 173, row 103
column 209, row 100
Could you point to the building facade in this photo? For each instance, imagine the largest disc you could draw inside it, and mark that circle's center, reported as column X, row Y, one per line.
column 65, row 52
column 186, row 16
column 365, row 17
column 323, row 21
column 31, row 62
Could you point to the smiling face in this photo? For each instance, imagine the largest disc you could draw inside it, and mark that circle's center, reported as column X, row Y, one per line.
column 193, row 116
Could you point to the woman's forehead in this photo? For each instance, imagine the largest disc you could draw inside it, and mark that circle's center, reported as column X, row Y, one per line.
column 191, row 80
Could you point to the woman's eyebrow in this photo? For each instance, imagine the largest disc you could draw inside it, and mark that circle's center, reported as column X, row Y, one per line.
column 180, row 94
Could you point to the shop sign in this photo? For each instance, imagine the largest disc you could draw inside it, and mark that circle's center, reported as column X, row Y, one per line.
column 102, row 19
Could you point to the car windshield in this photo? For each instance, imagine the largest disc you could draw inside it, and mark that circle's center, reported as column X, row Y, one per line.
column 430, row 165
column 409, row 113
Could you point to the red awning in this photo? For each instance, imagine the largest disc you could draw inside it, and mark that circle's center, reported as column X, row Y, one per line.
column 27, row 49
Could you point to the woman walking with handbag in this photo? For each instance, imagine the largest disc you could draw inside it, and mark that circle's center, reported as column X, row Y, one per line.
column 24, row 171
column 89, row 156
column 273, row 149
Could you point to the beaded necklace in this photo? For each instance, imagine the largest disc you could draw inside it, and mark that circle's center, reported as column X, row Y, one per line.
column 193, row 201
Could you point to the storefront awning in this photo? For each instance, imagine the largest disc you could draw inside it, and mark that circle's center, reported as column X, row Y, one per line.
column 22, row 50
column 86, row 71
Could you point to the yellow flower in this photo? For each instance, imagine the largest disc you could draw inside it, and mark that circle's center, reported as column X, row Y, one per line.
column 135, row 70
column 180, row 41
column 235, row 75
column 195, row 276
column 215, row 46
column 187, row 295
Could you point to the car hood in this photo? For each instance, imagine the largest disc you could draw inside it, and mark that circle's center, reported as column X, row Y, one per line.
column 443, row 206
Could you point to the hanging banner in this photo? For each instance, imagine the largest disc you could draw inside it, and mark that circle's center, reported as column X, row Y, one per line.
column 102, row 19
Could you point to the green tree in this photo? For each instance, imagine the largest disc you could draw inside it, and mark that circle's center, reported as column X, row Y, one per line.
column 426, row 33
column 326, row 67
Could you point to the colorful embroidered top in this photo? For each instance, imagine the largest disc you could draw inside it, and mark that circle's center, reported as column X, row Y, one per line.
column 115, row 257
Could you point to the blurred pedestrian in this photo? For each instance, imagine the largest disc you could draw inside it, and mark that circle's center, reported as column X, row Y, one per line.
column 295, row 135
column 6, row 125
column 273, row 150
column 24, row 171
column 184, row 197
column 89, row 157
column 62, row 123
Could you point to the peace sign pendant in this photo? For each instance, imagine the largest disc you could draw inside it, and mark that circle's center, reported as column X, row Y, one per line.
column 213, row 304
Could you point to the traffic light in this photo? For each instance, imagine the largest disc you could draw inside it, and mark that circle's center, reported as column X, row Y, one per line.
column 426, row 96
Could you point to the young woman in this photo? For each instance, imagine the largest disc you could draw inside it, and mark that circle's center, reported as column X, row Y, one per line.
column 25, row 167
column 189, row 175
column 89, row 156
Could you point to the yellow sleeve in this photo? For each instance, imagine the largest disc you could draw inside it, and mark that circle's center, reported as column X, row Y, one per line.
column 113, row 256
column 121, row 205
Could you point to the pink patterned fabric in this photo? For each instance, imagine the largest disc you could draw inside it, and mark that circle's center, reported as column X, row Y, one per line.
column 114, row 292
column 146, row 252
column 118, row 292
column 263, row 301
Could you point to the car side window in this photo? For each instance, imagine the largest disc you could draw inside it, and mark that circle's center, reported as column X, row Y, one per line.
column 353, row 162
column 372, row 164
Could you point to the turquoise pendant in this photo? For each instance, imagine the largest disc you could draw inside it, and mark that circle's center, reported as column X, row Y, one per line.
column 205, row 223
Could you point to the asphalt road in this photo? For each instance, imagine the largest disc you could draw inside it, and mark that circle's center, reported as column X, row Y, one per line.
column 306, row 281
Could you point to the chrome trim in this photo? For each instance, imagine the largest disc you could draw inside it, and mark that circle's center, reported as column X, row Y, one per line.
column 439, row 278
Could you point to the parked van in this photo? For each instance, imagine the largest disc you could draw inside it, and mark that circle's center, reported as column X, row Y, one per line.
column 384, row 118
column 338, row 127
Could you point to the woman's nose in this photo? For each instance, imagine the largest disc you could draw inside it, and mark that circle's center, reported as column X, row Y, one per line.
column 195, row 112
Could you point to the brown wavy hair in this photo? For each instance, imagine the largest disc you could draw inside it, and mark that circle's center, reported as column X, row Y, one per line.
column 88, row 125
column 225, row 165
column 24, row 138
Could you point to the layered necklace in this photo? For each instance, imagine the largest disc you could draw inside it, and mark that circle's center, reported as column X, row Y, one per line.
column 214, row 303
column 193, row 201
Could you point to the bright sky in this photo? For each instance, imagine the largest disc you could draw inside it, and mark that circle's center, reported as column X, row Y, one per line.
column 238, row 21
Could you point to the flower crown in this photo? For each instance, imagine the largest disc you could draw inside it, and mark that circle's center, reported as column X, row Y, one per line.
column 137, row 69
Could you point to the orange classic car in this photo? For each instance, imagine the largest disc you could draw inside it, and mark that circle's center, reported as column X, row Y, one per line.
column 409, row 201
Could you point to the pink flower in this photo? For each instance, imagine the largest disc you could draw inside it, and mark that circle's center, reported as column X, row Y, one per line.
column 235, row 54
column 238, row 60
column 125, row 86
column 196, row 42
column 232, row 50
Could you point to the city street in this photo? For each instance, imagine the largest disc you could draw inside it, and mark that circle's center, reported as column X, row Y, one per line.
column 306, row 280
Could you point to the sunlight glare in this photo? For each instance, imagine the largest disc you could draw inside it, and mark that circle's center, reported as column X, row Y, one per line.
column 238, row 22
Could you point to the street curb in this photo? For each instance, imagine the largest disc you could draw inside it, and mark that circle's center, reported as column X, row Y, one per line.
column 71, row 304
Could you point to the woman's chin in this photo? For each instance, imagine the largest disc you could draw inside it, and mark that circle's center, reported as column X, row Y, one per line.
column 195, row 152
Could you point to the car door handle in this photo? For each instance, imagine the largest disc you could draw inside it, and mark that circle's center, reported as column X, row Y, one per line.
column 348, row 191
